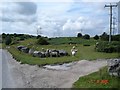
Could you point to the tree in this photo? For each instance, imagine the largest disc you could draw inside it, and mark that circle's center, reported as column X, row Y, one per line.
column 104, row 36
column 42, row 41
column 79, row 35
column 3, row 35
column 86, row 36
column 96, row 37
column 8, row 40
column 38, row 36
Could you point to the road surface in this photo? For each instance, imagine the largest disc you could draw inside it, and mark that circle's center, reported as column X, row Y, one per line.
column 16, row 75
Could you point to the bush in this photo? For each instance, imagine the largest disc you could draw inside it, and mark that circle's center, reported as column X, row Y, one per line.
column 8, row 40
column 104, row 37
column 96, row 37
column 79, row 35
column 86, row 45
column 86, row 36
column 42, row 41
column 108, row 47
column 116, row 37
column 39, row 36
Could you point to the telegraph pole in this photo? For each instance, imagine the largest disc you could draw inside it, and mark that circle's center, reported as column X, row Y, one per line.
column 114, row 23
column 39, row 30
column 111, row 7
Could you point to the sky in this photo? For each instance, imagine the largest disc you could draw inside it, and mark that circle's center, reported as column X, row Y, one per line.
column 56, row 18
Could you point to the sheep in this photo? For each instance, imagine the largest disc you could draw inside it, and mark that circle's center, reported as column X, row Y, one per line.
column 54, row 53
column 73, row 51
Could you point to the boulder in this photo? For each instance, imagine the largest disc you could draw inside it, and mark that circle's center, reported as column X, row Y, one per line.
column 31, row 51
column 114, row 67
column 20, row 47
column 25, row 49
column 63, row 53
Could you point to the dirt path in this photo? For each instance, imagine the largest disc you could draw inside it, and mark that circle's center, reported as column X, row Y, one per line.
column 35, row 77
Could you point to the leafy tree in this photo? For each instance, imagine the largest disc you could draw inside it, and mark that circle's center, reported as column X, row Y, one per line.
column 96, row 37
column 86, row 36
column 79, row 35
column 42, row 41
column 8, row 40
column 3, row 35
column 38, row 36
column 104, row 36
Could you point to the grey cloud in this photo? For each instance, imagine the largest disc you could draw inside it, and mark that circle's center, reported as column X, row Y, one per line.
column 4, row 19
column 27, row 8
column 28, row 20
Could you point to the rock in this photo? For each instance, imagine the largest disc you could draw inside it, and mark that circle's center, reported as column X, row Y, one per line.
column 31, row 51
column 20, row 47
column 63, row 53
column 114, row 67
column 25, row 49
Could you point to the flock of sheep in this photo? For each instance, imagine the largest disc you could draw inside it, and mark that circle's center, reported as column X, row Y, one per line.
column 46, row 53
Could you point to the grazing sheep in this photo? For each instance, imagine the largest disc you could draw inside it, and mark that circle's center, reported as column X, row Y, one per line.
column 73, row 51
column 54, row 53
column 47, row 53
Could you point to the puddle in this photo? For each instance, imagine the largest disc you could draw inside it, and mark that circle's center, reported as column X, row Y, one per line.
column 65, row 66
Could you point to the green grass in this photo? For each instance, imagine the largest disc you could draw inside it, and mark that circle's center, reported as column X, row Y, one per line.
column 0, row 45
column 67, row 40
column 94, row 80
column 84, row 52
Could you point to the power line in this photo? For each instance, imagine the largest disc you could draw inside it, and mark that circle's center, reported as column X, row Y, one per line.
column 111, row 7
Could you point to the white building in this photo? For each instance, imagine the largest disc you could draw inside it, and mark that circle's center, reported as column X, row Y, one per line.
column 119, row 17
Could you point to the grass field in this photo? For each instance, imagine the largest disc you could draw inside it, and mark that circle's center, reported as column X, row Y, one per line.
column 99, row 79
column 0, row 45
column 84, row 52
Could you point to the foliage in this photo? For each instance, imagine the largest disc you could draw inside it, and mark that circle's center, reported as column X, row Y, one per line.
column 38, row 36
column 8, row 40
column 96, row 37
column 100, row 79
column 108, row 47
column 42, row 41
column 104, row 36
column 116, row 37
column 79, row 35
column 86, row 36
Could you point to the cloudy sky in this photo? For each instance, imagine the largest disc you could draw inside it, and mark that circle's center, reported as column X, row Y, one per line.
column 55, row 18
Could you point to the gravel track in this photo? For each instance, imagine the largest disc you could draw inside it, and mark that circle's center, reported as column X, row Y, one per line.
column 27, row 76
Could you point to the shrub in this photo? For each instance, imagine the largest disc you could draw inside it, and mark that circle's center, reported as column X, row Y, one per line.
column 79, row 35
column 96, row 37
column 104, row 37
column 8, row 40
column 86, row 36
column 116, row 37
column 108, row 47
column 38, row 36
column 86, row 45
column 42, row 41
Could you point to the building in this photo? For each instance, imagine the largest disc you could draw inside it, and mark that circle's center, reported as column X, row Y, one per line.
column 119, row 17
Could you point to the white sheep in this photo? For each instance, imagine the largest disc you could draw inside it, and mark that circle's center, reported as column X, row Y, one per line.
column 73, row 51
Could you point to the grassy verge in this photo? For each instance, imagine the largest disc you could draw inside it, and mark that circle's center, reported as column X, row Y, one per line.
column 99, row 79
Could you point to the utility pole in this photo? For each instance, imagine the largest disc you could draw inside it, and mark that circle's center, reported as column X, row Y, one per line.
column 114, row 23
column 39, row 30
column 111, row 7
